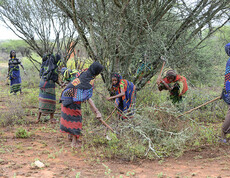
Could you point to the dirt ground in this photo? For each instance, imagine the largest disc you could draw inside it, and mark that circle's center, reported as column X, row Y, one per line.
column 48, row 145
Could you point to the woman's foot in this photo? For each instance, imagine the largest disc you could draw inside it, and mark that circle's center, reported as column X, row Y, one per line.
column 39, row 116
column 76, row 143
column 70, row 137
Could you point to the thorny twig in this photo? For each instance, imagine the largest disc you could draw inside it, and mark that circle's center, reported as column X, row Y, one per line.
column 149, row 141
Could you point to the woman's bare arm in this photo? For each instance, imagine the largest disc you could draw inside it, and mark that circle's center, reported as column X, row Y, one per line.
column 117, row 96
column 94, row 108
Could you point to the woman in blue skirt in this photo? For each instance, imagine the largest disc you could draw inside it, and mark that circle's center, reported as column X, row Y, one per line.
column 14, row 73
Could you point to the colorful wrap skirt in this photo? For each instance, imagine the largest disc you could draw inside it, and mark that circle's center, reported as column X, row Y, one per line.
column 47, row 98
column 71, row 119
column 15, row 81
column 129, row 110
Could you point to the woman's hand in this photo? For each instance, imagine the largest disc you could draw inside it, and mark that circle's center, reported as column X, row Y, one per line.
column 108, row 98
column 94, row 109
column 159, row 79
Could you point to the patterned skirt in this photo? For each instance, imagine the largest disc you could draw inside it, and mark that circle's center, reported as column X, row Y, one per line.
column 127, row 105
column 47, row 100
column 127, row 112
column 71, row 119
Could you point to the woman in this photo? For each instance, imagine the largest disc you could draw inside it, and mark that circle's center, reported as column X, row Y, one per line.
column 49, row 76
column 124, row 93
column 76, row 92
column 226, row 97
column 68, row 74
column 176, row 84
column 14, row 73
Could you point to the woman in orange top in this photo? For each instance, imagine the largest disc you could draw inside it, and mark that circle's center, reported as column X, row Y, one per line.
column 124, row 93
column 176, row 84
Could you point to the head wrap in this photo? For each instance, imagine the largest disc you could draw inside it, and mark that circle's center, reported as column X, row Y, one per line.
column 63, row 69
column 227, row 49
column 118, row 77
column 85, row 77
column 57, row 58
column 49, row 67
column 171, row 73
column 13, row 51
column 54, row 59
column 95, row 68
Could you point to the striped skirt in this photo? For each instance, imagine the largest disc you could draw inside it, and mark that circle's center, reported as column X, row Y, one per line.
column 71, row 119
column 47, row 100
column 15, row 85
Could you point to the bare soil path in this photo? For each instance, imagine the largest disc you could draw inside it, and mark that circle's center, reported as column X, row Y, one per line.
column 48, row 145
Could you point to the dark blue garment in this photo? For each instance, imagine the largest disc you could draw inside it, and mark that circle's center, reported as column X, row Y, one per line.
column 70, row 95
column 226, row 90
column 49, row 68
column 14, row 74
column 126, row 103
column 227, row 49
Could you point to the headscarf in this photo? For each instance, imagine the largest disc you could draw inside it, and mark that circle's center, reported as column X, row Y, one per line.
column 95, row 68
column 227, row 49
column 85, row 78
column 54, row 59
column 63, row 69
column 118, row 77
column 11, row 53
column 66, row 73
column 57, row 59
column 49, row 67
column 171, row 73
column 44, row 58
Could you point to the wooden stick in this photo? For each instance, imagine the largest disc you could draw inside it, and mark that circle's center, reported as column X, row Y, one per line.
column 159, row 76
column 200, row 106
column 111, row 114
column 103, row 122
column 162, row 68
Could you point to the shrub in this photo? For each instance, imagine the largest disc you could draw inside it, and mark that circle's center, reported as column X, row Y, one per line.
column 22, row 133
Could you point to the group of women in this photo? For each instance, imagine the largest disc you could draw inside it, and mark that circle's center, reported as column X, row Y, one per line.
column 80, row 85
column 78, row 88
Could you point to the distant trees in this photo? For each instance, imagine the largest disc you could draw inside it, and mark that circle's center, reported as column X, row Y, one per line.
column 19, row 45
column 41, row 25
